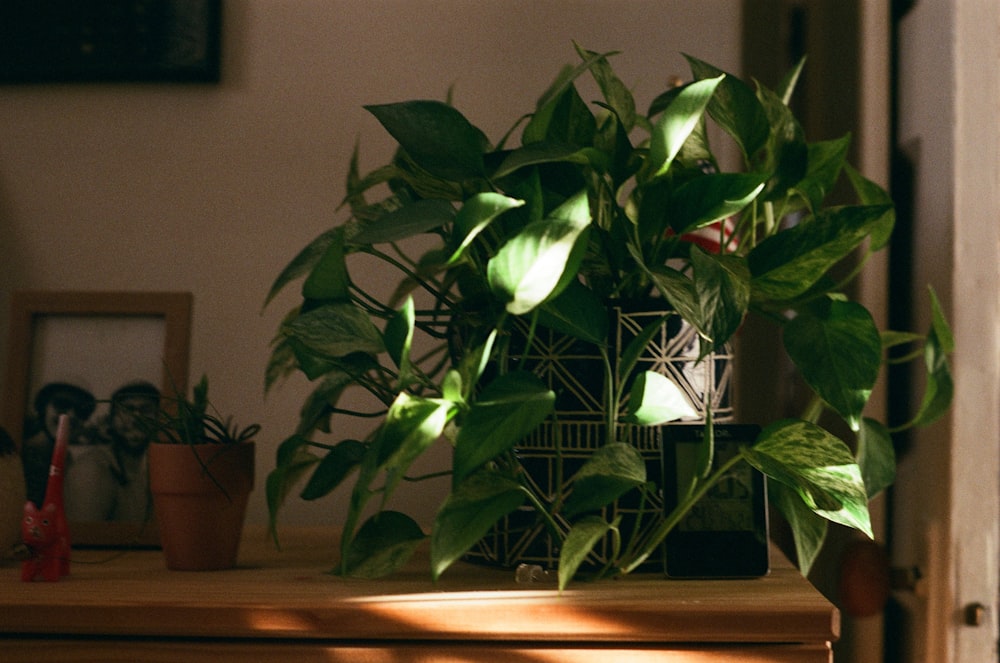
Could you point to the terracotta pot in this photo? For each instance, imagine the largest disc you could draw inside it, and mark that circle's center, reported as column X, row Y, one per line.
column 200, row 513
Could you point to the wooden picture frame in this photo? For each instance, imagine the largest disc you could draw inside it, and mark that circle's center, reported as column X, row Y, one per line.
column 97, row 342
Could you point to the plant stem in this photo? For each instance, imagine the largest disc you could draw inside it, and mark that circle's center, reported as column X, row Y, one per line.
column 612, row 397
column 813, row 410
column 540, row 509
column 769, row 221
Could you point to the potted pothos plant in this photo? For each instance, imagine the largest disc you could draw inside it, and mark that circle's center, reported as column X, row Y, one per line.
column 201, row 473
column 578, row 208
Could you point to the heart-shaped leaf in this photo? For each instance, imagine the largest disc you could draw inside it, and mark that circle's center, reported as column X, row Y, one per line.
column 838, row 349
column 735, row 107
column 722, row 286
column 335, row 330
column 399, row 336
column 581, row 539
column 818, row 466
column 939, row 388
column 410, row 220
column 876, row 457
column 576, row 312
column 469, row 511
column 509, row 408
column 476, row 215
column 610, row 472
column 704, row 200
column 808, row 529
column 538, row 262
column 676, row 123
column 788, row 263
column 655, row 399
column 333, row 468
column 412, row 424
column 436, row 136
column 329, row 280
column 383, row 544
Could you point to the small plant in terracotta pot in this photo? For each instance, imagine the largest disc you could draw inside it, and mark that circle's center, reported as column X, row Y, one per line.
column 201, row 472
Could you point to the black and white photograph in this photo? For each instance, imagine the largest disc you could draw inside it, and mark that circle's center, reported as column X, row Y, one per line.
column 106, row 360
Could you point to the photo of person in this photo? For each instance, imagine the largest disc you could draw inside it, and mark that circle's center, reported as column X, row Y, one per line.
column 105, row 359
column 52, row 400
column 109, row 479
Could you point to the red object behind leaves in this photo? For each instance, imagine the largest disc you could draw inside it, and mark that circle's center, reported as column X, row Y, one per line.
column 863, row 585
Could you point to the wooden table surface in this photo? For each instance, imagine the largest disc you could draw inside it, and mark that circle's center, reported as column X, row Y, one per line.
column 289, row 596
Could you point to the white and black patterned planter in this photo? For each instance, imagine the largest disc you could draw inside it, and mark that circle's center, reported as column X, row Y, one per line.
column 553, row 453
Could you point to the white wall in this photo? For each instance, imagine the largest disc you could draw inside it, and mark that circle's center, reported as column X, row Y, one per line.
column 212, row 189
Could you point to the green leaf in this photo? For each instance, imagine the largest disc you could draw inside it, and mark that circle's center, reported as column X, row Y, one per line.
column 399, row 338
column 294, row 460
column 281, row 364
column 676, row 123
column 560, row 112
column 876, row 457
column 870, row 193
column 735, row 107
column 808, row 529
column 509, row 408
column 412, row 219
column 468, row 513
column 549, row 152
column 610, row 472
column 576, row 312
column 310, row 363
column 581, row 539
column 616, row 93
column 891, row 339
column 655, row 399
column 709, row 198
column 818, row 466
column 412, row 424
column 538, row 262
column 786, row 155
column 638, row 345
column 679, row 290
column 436, row 136
column 566, row 118
column 316, row 410
column 333, row 469
column 939, row 388
column 788, row 263
column 452, row 387
column 825, row 159
column 304, row 261
column 791, row 78
column 715, row 301
column 329, row 279
column 383, row 544
column 335, row 330
column 473, row 363
column 475, row 215
column 940, row 330
column 838, row 350
column 722, row 287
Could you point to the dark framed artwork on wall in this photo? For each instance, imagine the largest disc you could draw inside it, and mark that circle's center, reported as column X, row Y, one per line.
column 61, row 41
column 105, row 359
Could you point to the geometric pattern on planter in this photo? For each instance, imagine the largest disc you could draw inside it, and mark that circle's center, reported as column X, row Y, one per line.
column 554, row 451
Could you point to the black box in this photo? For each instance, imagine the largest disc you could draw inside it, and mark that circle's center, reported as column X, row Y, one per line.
column 725, row 534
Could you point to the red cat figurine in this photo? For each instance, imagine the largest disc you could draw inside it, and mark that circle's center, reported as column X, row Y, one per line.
column 45, row 531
